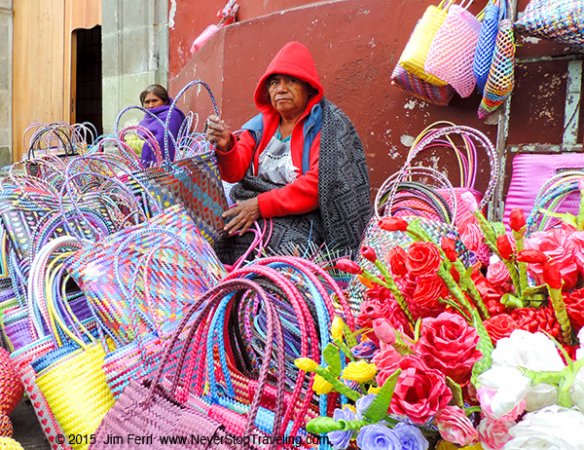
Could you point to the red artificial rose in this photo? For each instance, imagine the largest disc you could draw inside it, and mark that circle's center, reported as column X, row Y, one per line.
column 397, row 261
column 425, row 302
column 369, row 311
column 455, row 427
column 346, row 265
column 575, row 307
column 369, row 254
column 537, row 319
column 387, row 362
column 517, row 219
column 449, row 344
column 420, row 392
column 449, row 249
column 532, row 256
column 504, row 247
column 423, row 259
column 500, row 326
column 393, row 224
column 552, row 276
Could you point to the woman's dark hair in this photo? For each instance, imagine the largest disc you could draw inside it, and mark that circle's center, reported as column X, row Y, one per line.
column 157, row 90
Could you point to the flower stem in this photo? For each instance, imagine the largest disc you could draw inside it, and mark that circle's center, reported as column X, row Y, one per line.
column 468, row 285
column 561, row 314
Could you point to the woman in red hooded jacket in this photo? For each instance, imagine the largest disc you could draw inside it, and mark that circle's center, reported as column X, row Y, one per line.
column 277, row 159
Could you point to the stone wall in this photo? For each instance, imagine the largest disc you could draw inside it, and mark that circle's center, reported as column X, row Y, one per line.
column 5, row 82
column 134, row 54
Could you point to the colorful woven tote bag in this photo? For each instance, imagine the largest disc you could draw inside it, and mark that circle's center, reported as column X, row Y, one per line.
column 451, row 54
column 413, row 57
column 437, row 95
column 558, row 20
column 494, row 12
column 501, row 80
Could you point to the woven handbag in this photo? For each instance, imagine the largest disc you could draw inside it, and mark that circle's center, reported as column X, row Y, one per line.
column 560, row 194
column 501, row 79
column 158, row 411
column 495, row 11
column 11, row 388
column 79, row 403
column 531, row 172
column 451, row 138
column 101, row 270
column 558, row 20
column 437, row 95
column 413, row 57
column 453, row 48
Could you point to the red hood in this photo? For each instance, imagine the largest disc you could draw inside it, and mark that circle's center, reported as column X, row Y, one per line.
column 293, row 59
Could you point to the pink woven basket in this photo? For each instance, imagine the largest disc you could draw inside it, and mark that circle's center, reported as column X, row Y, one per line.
column 531, row 172
column 453, row 49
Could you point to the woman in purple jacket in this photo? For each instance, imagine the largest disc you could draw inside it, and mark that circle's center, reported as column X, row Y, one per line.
column 155, row 98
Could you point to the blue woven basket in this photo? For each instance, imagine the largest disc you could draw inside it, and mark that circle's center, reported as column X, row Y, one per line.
column 486, row 45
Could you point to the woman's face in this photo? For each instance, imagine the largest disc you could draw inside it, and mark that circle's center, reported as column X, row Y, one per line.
column 288, row 95
column 152, row 101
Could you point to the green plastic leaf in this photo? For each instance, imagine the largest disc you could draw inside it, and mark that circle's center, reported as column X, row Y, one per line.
column 456, row 392
column 564, row 217
column 499, row 228
column 379, row 406
column 333, row 359
column 322, row 425
column 417, row 329
column 510, row 301
column 349, row 336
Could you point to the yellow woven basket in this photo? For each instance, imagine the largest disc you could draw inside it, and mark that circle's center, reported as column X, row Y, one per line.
column 413, row 58
column 74, row 385
column 7, row 443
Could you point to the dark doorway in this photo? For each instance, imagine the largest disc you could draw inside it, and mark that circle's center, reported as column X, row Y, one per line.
column 87, row 92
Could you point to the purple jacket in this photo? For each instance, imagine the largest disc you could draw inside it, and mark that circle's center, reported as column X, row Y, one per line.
column 156, row 128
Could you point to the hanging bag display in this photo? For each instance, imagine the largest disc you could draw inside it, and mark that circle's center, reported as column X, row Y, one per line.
column 436, row 95
column 495, row 11
column 413, row 57
column 557, row 20
column 501, row 80
column 452, row 51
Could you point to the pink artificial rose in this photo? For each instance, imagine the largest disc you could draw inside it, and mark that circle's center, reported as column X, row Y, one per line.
column 473, row 239
column 556, row 245
column 455, row 427
column 384, row 331
column 387, row 362
column 420, row 392
column 449, row 344
column 498, row 274
column 494, row 434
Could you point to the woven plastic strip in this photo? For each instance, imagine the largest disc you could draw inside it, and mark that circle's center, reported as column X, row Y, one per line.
column 437, row 95
column 486, row 43
column 558, row 20
column 451, row 55
column 413, row 58
column 502, row 74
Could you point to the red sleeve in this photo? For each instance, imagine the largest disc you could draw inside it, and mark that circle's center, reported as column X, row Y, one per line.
column 298, row 197
column 234, row 163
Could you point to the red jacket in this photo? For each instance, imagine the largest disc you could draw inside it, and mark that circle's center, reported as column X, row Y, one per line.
column 300, row 196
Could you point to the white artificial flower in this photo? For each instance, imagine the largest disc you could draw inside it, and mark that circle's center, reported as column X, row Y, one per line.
column 539, row 396
column 577, row 390
column 551, row 428
column 501, row 390
column 533, row 351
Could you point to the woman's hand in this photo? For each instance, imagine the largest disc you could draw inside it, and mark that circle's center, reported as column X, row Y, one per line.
column 243, row 215
column 218, row 133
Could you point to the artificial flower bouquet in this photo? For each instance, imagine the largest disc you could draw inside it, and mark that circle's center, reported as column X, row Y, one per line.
column 423, row 364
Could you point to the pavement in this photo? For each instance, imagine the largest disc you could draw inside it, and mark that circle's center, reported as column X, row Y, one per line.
column 27, row 430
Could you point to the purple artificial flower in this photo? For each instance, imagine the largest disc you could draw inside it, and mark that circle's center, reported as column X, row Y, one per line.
column 411, row 437
column 340, row 439
column 378, row 437
column 363, row 403
column 365, row 350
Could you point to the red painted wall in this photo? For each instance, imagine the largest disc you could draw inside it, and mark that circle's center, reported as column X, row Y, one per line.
column 356, row 44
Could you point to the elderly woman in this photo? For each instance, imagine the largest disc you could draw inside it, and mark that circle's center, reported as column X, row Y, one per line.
column 299, row 162
column 156, row 100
